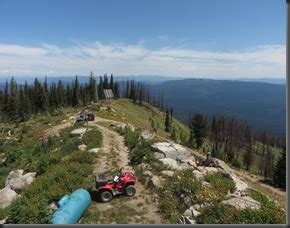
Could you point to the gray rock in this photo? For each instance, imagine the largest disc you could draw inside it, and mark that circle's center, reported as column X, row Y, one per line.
column 189, row 221
column 171, row 150
column 167, row 173
column 94, row 150
column 17, row 181
column 188, row 213
column 195, row 207
column 195, row 213
column 143, row 167
column 147, row 173
column 206, row 184
column 155, row 182
column 158, row 155
column 186, row 199
column 199, row 175
column 148, row 135
column 243, row 203
column 7, row 195
column 78, row 132
column 169, row 163
column 82, row 147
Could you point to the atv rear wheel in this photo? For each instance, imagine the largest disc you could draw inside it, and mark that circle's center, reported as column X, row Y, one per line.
column 130, row 190
column 106, row 196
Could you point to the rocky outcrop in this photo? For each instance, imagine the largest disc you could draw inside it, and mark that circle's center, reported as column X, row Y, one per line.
column 78, row 132
column 17, row 181
column 7, row 195
column 243, row 203
column 171, row 150
column 169, row 163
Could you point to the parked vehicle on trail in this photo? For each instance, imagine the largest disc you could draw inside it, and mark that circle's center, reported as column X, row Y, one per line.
column 123, row 183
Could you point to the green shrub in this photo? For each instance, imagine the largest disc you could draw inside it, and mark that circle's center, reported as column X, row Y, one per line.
column 141, row 152
column 131, row 138
column 29, row 211
column 224, row 214
column 170, row 203
column 82, row 157
column 217, row 214
column 4, row 212
column 92, row 138
column 60, row 179
column 69, row 146
column 237, row 163
column 220, row 182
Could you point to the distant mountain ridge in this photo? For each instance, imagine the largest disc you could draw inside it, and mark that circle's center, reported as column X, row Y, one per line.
column 263, row 105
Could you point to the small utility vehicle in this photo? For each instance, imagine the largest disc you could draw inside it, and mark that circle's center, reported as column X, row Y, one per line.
column 108, row 188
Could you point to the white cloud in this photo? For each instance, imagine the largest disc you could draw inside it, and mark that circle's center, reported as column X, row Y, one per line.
column 120, row 59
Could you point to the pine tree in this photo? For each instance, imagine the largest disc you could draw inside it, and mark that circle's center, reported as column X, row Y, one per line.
column 92, row 88
column 76, row 93
column 6, row 100
column 116, row 90
column 101, row 88
column 279, row 177
column 167, row 121
column 248, row 157
column 23, row 106
column 199, row 131
column 14, row 100
column 112, row 82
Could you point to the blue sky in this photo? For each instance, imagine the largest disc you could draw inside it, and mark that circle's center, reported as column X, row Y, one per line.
column 193, row 38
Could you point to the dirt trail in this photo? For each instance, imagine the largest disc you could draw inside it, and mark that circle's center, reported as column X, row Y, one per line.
column 113, row 155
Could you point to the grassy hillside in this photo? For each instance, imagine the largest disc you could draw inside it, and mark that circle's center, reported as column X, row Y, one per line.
column 126, row 111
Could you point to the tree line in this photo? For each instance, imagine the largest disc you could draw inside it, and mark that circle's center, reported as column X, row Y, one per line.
column 19, row 102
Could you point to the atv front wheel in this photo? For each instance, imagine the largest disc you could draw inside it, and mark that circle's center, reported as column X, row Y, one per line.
column 130, row 190
column 106, row 196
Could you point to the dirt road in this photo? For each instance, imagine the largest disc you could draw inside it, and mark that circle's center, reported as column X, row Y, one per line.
column 140, row 209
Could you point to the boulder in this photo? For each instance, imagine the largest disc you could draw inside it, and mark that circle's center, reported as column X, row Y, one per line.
column 243, row 203
column 7, row 195
column 167, row 173
column 188, row 220
column 16, row 180
column 154, row 182
column 78, row 132
column 194, row 212
column 29, row 178
column 143, row 167
column 169, row 163
column 206, row 184
column 171, row 150
column 147, row 173
column 187, row 213
column 186, row 199
column 158, row 155
column 199, row 175
column 94, row 150
column 207, row 170
column 147, row 135
column 82, row 147
column 195, row 207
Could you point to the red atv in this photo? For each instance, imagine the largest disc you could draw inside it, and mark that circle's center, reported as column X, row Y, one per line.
column 110, row 187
